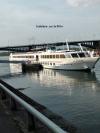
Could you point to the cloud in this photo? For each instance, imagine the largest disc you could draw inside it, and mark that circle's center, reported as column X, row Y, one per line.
column 77, row 3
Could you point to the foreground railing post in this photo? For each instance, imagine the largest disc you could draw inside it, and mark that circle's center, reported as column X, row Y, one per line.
column 3, row 95
column 13, row 106
column 30, row 122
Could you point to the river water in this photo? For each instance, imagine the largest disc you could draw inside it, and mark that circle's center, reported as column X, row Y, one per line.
column 73, row 95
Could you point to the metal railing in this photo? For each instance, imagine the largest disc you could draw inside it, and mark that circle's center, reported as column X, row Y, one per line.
column 52, row 126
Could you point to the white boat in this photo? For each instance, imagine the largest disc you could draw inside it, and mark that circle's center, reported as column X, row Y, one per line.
column 65, row 59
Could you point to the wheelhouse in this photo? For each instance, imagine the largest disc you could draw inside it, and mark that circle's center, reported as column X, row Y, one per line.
column 80, row 54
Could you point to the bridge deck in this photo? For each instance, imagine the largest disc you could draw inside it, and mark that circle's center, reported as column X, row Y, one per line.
column 23, row 48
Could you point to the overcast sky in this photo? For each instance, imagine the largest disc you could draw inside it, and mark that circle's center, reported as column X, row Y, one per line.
column 18, row 20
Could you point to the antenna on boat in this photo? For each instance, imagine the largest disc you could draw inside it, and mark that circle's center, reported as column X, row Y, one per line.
column 67, row 45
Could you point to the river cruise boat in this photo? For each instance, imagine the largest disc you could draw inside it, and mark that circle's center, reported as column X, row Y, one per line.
column 63, row 59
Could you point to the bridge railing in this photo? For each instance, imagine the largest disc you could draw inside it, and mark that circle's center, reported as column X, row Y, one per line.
column 51, row 125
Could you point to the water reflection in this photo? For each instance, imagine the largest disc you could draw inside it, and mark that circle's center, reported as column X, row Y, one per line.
column 15, row 71
column 15, row 68
column 67, row 80
column 62, row 80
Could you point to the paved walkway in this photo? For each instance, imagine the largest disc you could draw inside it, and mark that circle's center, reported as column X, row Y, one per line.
column 7, row 124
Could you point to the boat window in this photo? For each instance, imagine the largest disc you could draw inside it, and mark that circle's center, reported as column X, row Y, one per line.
column 57, row 56
column 19, row 57
column 74, row 55
column 53, row 56
column 81, row 55
column 50, row 56
column 31, row 56
column 62, row 56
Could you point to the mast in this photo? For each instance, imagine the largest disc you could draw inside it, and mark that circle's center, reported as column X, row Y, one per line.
column 80, row 47
column 67, row 45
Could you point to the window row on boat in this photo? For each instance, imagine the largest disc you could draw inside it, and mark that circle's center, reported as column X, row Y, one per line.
column 28, row 56
column 73, row 55
column 53, row 56
column 48, row 63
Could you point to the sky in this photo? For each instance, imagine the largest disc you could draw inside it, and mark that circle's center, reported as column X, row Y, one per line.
column 18, row 20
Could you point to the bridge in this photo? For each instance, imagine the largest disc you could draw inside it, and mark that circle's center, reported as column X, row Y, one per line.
column 94, row 44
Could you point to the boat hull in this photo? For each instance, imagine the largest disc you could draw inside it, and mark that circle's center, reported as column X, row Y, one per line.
column 85, row 64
